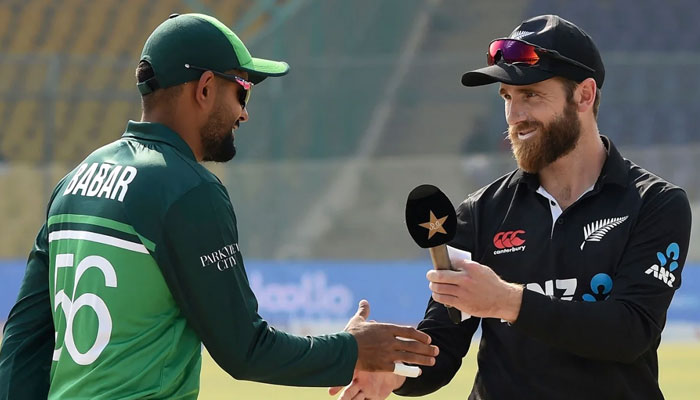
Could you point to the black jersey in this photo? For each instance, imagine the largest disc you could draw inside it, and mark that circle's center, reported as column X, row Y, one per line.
column 600, row 277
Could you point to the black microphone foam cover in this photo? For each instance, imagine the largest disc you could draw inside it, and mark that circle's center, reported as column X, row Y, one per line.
column 430, row 217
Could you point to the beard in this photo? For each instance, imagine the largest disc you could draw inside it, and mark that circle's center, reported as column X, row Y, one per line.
column 217, row 136
column 552, row 142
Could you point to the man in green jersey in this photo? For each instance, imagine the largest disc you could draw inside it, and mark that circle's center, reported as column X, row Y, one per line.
column 138, row 262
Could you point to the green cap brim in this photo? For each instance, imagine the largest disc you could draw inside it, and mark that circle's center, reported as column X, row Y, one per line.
column 259, row 69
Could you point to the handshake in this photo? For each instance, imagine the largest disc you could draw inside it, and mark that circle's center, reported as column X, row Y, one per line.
column 381, row 351
column 465, row 287
column 472, row 288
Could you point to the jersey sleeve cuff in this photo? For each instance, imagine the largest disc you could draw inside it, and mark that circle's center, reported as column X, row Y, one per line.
column 535, row 312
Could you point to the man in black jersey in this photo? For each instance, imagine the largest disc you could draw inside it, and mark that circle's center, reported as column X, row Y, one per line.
column 576, row 254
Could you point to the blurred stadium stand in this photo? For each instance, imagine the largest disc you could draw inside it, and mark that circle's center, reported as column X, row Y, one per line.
column 373, row 106
column 67, row 87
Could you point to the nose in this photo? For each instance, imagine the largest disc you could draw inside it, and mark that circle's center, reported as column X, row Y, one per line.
column 515, row 113
column 244, row 115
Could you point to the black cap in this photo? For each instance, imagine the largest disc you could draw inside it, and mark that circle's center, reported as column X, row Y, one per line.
column 549, row 32
column 430, row 217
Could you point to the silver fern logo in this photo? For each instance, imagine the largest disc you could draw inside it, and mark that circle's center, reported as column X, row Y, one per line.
column 595, row 231
column 520, row 34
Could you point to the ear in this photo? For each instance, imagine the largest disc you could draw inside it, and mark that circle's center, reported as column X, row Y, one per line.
column 205, row 90
column 585, row 94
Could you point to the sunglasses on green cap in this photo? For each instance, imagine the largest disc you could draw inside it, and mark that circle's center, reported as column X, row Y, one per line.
column 243, row 95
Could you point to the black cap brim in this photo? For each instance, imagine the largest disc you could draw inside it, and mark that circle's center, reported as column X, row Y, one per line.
column 505, row 73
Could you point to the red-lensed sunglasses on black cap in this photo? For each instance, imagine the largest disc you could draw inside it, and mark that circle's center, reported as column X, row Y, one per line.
column 514, row 51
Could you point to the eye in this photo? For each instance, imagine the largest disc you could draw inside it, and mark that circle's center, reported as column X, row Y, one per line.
column 505, row 96
column 530, row 94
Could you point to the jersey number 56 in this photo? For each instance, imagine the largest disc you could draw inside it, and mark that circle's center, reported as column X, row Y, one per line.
column 71, row 305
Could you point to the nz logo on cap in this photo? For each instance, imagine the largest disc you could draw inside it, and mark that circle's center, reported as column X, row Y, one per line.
column 520, row 34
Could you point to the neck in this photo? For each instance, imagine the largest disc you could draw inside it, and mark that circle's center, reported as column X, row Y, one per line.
column 184, row 128
column 571, row 175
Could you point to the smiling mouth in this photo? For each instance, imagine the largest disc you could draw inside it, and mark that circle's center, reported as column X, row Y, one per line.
column 526, row 135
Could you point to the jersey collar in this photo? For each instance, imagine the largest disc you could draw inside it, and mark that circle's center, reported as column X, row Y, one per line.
column 615, row 170
column 158, row 133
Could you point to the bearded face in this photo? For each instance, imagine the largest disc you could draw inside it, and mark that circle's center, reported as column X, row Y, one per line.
column 217, row 135
column 553, row 141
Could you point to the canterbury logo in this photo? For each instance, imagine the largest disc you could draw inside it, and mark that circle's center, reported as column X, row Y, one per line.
column 506, row 240
column 595, row 231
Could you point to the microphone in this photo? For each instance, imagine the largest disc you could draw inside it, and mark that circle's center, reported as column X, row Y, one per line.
column 432, row 222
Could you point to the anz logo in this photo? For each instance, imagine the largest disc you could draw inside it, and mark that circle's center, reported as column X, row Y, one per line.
column 664, row 270
column 601, row 286
column 568, row 286
column 565, row 289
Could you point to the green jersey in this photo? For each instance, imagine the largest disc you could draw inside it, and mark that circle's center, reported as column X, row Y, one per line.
column 137, row 265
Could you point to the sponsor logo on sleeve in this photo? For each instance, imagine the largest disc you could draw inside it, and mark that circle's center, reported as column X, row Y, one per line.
column 668, row 262
column 560, row 288
column 222, row 259
column 601, row 286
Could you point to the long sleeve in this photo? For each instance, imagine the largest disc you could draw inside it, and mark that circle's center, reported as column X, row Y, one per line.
column 453, row 340
column 644, row 283
column 28, row 337
column 204, row 270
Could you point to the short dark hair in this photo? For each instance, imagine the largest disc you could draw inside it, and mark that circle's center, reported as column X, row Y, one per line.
column 570, row 87
column 144, row 71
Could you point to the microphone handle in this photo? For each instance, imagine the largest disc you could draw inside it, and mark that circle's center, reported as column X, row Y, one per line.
column 441, row 260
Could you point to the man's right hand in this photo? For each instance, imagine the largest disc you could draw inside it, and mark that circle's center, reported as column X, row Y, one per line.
column 379, row 346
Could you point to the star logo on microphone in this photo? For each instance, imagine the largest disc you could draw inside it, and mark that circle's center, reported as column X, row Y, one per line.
column 434, row 225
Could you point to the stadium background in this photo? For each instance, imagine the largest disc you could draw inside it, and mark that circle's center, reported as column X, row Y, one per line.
column 372, row 107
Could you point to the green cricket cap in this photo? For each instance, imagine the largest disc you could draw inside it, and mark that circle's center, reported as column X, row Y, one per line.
column 202, row 41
